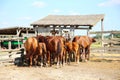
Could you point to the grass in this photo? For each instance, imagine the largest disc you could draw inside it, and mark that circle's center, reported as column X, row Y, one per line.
column 96, row 45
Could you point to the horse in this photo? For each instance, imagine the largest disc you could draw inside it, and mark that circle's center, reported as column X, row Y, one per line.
column 40, row 54
column 55, row 48
column 72, row 47
column 85, row 43
column 31, row 45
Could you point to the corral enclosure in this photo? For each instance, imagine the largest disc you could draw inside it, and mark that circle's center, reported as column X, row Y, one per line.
column 103, row 64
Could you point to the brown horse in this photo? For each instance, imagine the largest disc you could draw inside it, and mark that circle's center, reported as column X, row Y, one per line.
column 40, row 54
column 84, row 42
column 76, row 48
column 72, row 47
column 54, row 46
column 30, row 45
column 69, row 51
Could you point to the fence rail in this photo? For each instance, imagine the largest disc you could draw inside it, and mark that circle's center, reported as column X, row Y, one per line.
column 8, row 56
column 106, row 49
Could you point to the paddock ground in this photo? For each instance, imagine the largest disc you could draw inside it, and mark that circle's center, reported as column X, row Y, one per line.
column 100, row 67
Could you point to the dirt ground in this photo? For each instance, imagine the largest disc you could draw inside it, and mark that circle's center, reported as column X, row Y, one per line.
column 92, row 70
column 100, row 67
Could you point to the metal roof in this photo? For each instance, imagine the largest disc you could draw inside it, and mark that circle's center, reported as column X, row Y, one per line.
column 69, row 20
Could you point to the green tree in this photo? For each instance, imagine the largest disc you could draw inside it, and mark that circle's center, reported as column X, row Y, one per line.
column 116, row 35
column 97, row 36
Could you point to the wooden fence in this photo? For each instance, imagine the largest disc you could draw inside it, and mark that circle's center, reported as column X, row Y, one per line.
column 9, row 56
column 106, row 50
column 109, row 46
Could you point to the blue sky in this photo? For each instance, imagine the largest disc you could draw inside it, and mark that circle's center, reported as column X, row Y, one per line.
column 23, row 12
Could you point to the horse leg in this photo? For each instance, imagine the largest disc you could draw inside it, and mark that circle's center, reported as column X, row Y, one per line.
column 63, row 59
column 58, row 59
column 41, row 61
column 80, row 53
column 48, row 58
column 35, row 60
column 88, row 54
column 69, row 57
column 31, row 57
column 83, row 55
column 77, row 56
column 44, row 59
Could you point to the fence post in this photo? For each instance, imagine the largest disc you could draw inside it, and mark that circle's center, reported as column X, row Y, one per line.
column 102, row 29
column 88, row 34
column 0, row 45
column 9, row 45
column 18, row 43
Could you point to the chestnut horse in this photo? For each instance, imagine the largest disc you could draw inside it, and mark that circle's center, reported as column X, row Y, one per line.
column 72, row 47
column 84, row 42
column 55, row 48
column 40, row 54
column 31, row 45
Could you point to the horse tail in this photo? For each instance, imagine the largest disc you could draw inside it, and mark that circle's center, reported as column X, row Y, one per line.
column 74, row 40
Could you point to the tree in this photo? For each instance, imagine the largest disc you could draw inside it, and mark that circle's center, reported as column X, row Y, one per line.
column 116, row 35
column 97, row 36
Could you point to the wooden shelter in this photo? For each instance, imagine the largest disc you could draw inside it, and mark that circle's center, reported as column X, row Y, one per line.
column 16, row 30
column 71, row 22
column 14, row 35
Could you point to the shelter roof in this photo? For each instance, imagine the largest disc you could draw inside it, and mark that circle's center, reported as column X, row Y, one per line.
column 69, row 20
column 13, row 30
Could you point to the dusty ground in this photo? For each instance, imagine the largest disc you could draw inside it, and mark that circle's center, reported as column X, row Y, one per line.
column 92, row 70
column 100, row 67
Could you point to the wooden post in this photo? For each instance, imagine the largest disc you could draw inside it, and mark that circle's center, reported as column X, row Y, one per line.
column 18, row 32
column 88, row 32
column 53, row 31
column 72, row 32
column 60, row 30
column 36, row 31
column 9, row 44
column 0, row 45
column 47, row 28
column 18, row 44
column 27, row 32
column 112, row 36
column 102, row 36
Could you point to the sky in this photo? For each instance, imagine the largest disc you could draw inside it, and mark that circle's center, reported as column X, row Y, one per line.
column 24, row 12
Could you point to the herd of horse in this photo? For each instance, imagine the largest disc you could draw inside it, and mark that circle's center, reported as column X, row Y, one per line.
column 48, row 50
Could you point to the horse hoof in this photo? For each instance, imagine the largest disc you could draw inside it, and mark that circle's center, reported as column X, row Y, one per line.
column 86, row 60
column 83, row 60
column 63, row 64
column 77, row 62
